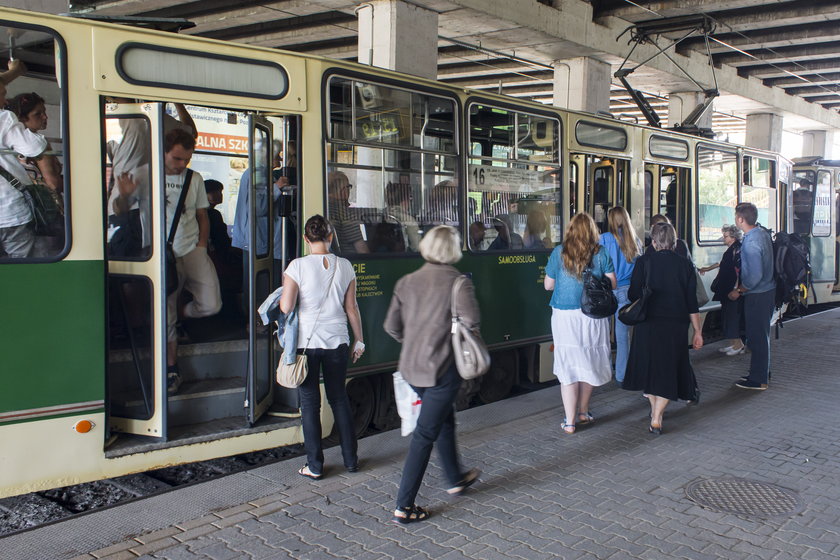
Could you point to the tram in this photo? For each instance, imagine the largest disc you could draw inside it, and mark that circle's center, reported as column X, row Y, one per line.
column 85, row 327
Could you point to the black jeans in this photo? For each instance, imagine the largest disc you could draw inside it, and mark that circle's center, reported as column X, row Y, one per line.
column 334, row 362
column 436, row 424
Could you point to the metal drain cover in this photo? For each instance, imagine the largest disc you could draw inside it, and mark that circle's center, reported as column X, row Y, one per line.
column 744, row 497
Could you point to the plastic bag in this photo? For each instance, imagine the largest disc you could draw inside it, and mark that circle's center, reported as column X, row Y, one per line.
column 408, row 404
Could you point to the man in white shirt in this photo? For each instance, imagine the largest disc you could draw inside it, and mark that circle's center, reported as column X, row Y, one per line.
column 196, row 272
column 17, row 227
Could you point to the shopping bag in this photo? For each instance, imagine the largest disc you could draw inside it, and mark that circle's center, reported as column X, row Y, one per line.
column 408, row 404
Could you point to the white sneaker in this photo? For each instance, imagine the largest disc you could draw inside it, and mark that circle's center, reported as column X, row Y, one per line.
column 725, row 350
column 736, row 351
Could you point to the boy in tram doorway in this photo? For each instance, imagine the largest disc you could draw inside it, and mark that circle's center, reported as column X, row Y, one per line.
column 196, row 272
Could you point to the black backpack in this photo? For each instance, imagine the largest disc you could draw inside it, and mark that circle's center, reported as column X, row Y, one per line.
column 791, row 271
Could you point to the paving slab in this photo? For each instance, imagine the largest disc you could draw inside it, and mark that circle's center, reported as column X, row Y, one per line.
column 610, row 491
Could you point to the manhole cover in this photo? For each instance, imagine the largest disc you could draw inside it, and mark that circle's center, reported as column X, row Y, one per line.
column 744, row 497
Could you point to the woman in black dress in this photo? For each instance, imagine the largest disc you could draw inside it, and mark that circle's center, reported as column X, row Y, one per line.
column 658, row 363
column 727, row 277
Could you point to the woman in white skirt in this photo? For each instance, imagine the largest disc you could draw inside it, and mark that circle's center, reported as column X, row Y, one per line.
column 581, row 344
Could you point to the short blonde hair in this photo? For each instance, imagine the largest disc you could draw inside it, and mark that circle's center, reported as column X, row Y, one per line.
column 441, row 245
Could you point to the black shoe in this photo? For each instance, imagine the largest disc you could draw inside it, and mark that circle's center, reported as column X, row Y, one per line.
column 755, row 386
column 655, row 431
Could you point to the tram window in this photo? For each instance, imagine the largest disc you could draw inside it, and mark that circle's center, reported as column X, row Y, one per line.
column 392, row 166
column 765, row 203
column 802, row 201
column 513, row 183
column 648, row 198
column 130, row 347
column 668, row 148
column 717, row 193
column 600, row 136
column 759, row 172
column 128, row 149
column 33, row 145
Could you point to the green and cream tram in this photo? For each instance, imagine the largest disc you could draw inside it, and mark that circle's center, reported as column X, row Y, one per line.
column 85, row 330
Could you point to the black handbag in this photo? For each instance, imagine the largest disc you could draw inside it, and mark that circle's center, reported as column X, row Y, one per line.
column 46, row 211
column 169, row 253
column 597, row 299
column 635, row 312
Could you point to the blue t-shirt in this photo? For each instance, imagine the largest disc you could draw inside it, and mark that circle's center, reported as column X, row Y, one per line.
column 623, row 269
column 568, row 288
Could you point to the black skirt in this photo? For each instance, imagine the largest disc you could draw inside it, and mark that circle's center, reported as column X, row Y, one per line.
column 658, row 363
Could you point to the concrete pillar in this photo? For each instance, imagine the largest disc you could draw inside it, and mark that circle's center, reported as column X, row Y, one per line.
column 582, row 84
column 398, row 36
column 682, row 103
column 818, row 143
column 764, row 131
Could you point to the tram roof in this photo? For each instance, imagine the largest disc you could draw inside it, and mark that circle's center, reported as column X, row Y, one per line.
column 763, row 48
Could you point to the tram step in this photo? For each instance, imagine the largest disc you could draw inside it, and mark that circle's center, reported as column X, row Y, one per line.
column 207, row 399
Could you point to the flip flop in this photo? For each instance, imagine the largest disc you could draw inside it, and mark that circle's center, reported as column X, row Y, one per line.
column 304, row 471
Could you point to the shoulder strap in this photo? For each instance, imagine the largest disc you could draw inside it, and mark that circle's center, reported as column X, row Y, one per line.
column 179, row 208
column 14, row 181
column 456, row 286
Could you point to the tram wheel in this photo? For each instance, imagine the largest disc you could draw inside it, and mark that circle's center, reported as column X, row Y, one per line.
column 361, row 395
column 499, row 380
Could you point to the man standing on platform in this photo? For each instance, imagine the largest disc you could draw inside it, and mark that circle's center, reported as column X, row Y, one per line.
column 758, row 288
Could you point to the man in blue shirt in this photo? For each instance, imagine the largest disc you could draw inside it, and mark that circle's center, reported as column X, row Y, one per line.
column 758, row 288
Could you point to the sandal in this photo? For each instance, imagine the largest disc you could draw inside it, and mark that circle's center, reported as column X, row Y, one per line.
column 409, row 514
column 585, row 417
column 568, row 428
column 467, row 480
column 305, row 471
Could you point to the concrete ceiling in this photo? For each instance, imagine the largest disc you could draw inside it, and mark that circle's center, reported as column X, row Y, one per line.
column 770, row 56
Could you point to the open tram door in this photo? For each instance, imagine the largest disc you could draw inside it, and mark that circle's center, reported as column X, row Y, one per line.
column 599, row 183
column 135, row 202
column 261, row 211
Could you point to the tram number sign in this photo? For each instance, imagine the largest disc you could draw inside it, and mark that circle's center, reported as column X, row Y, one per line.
column 507, row 179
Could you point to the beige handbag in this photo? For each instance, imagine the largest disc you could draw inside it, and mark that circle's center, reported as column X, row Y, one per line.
column 293, row 375
column 471, row 356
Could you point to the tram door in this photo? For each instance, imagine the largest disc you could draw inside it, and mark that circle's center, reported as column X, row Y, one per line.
column 603, row 184
column 666, row 193
column 135, row 202
column 261, row 212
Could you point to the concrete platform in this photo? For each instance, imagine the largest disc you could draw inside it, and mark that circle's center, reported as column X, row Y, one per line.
column 611, row 491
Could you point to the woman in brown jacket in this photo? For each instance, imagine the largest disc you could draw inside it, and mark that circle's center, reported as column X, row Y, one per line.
column 420, row 318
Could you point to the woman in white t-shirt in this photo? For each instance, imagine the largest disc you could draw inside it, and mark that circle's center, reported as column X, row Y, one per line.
column 323, row 286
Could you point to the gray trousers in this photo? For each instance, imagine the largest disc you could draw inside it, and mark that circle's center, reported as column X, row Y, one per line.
column 17, row 242
column 758, row 310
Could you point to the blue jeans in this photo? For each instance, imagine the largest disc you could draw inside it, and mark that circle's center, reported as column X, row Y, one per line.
column 436, row 424
column 334, row 362
column 622, row 336
column 758, row 310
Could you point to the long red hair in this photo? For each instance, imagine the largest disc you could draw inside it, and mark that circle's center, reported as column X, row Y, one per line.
column 580, row 244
